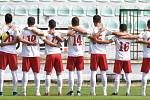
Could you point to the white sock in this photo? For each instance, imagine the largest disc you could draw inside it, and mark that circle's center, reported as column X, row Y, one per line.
column 79, row 75
column 144, row 82
column 104, row 82
column 71, row 80
column 128, row 82
column 37, row 82
column 59, row 82
column 24, row 81
column 47, row 83
column 15, row 80
column 1, row 80
column 93, row 81
column 117, row 83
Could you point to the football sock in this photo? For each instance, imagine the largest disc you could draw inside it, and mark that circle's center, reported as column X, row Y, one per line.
column 24, row 81
column 71, row 80
column 1, row 80
column 37, row 82
column 15, row 80
column 128, row 82
column 93, row 81
column 117, row 83
column 104, row 82
column 79, row 83
column 47, row 83
column 144, row 82
column 59, row 82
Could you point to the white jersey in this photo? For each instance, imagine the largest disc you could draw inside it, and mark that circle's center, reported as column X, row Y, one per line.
column 12, row 36
column 96, row 48
column 146, row 47
column 122, row 48
column 30, row 50
column 76, row 45
column 50, row 49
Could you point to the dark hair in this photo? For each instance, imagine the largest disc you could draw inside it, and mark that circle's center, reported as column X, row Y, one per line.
column 97, row 19
column 52, row 23
column 148, row 23
column 8, row 18
column 75, row 21
column 123, row 27
column 31, row 21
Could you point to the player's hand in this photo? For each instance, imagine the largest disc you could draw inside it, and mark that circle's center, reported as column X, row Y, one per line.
column 59, row 44
column 2, row 44
column 70, row 27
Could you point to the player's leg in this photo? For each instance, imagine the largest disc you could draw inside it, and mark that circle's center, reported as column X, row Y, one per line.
column 71, row 68
column 48, row 69
column 35, row 65
column 144, row 83
column 59, row 68
column 79, row 63
column 25, row 69
column 103, row 67
column 127, row 70
column 1, row 81
column 117, row 71
column 13, row 67
column 128, row 83
column 93, row 68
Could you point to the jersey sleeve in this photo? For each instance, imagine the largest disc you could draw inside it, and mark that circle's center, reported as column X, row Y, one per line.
column 114, row 38
column 141, row 35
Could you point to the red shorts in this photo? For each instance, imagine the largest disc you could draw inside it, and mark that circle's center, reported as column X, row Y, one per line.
column 75, row 62
column 53, row 60
column 33, row 62
column 145, row 65
column 125, row 65
column 98, row 60
column 8, row 59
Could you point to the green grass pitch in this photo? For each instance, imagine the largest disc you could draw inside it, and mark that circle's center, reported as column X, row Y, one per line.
column 135, row 94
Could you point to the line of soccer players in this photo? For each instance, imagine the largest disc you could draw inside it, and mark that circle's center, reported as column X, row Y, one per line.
column 30, row 36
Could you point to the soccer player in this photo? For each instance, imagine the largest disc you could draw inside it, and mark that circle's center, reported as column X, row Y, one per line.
column 122, row 59
column 31, row 56
column 75, row 55
column 8, row 54
column 98, row 54
column 146, row 57
column 53, row 57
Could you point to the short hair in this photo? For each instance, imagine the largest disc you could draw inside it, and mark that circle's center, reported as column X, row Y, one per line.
column 8, row 18
column 52, row 23
column 123, row 27
column 31, row 21
column 148, row 23
column 75, row 21
column 97, row 19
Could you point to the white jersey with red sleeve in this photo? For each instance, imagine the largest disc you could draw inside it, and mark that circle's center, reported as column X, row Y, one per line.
column 30, row 50
column 12, row 36
column 96, row 48
column 146, row 47
column 122, row 48
column 50, row 49
column 76, row 45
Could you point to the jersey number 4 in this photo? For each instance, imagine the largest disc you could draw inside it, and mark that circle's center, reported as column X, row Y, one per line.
column 124, row 46
column 77, row 40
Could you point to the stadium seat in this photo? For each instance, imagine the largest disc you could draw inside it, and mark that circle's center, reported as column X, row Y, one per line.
column 89, row 0
column 78, row 11
column 85, row 24
column 33, row 10
column 46, row 0
column 4, row 0
column 49, row 11
column 107, row 11
column 102, row 0
column 31, row 0
column 74, row 0
column 146, row 13
column 130, row 1
column 17, row 0
column 116, row 0
column 145, row 1
column 141, row 25
column 20, row 11
column 63, row 11
column 5, row 9
column 91, row 11
column 112, row 25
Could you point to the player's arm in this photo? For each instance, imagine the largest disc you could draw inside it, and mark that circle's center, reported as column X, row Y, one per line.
column 71, row 33
column 103, row 41
column 46, row 41
column 78, row 29
column 131, row 37
column 143, row 41
column 36, row 31
column 21, row 39
column 9, row 43
column 120, row 33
